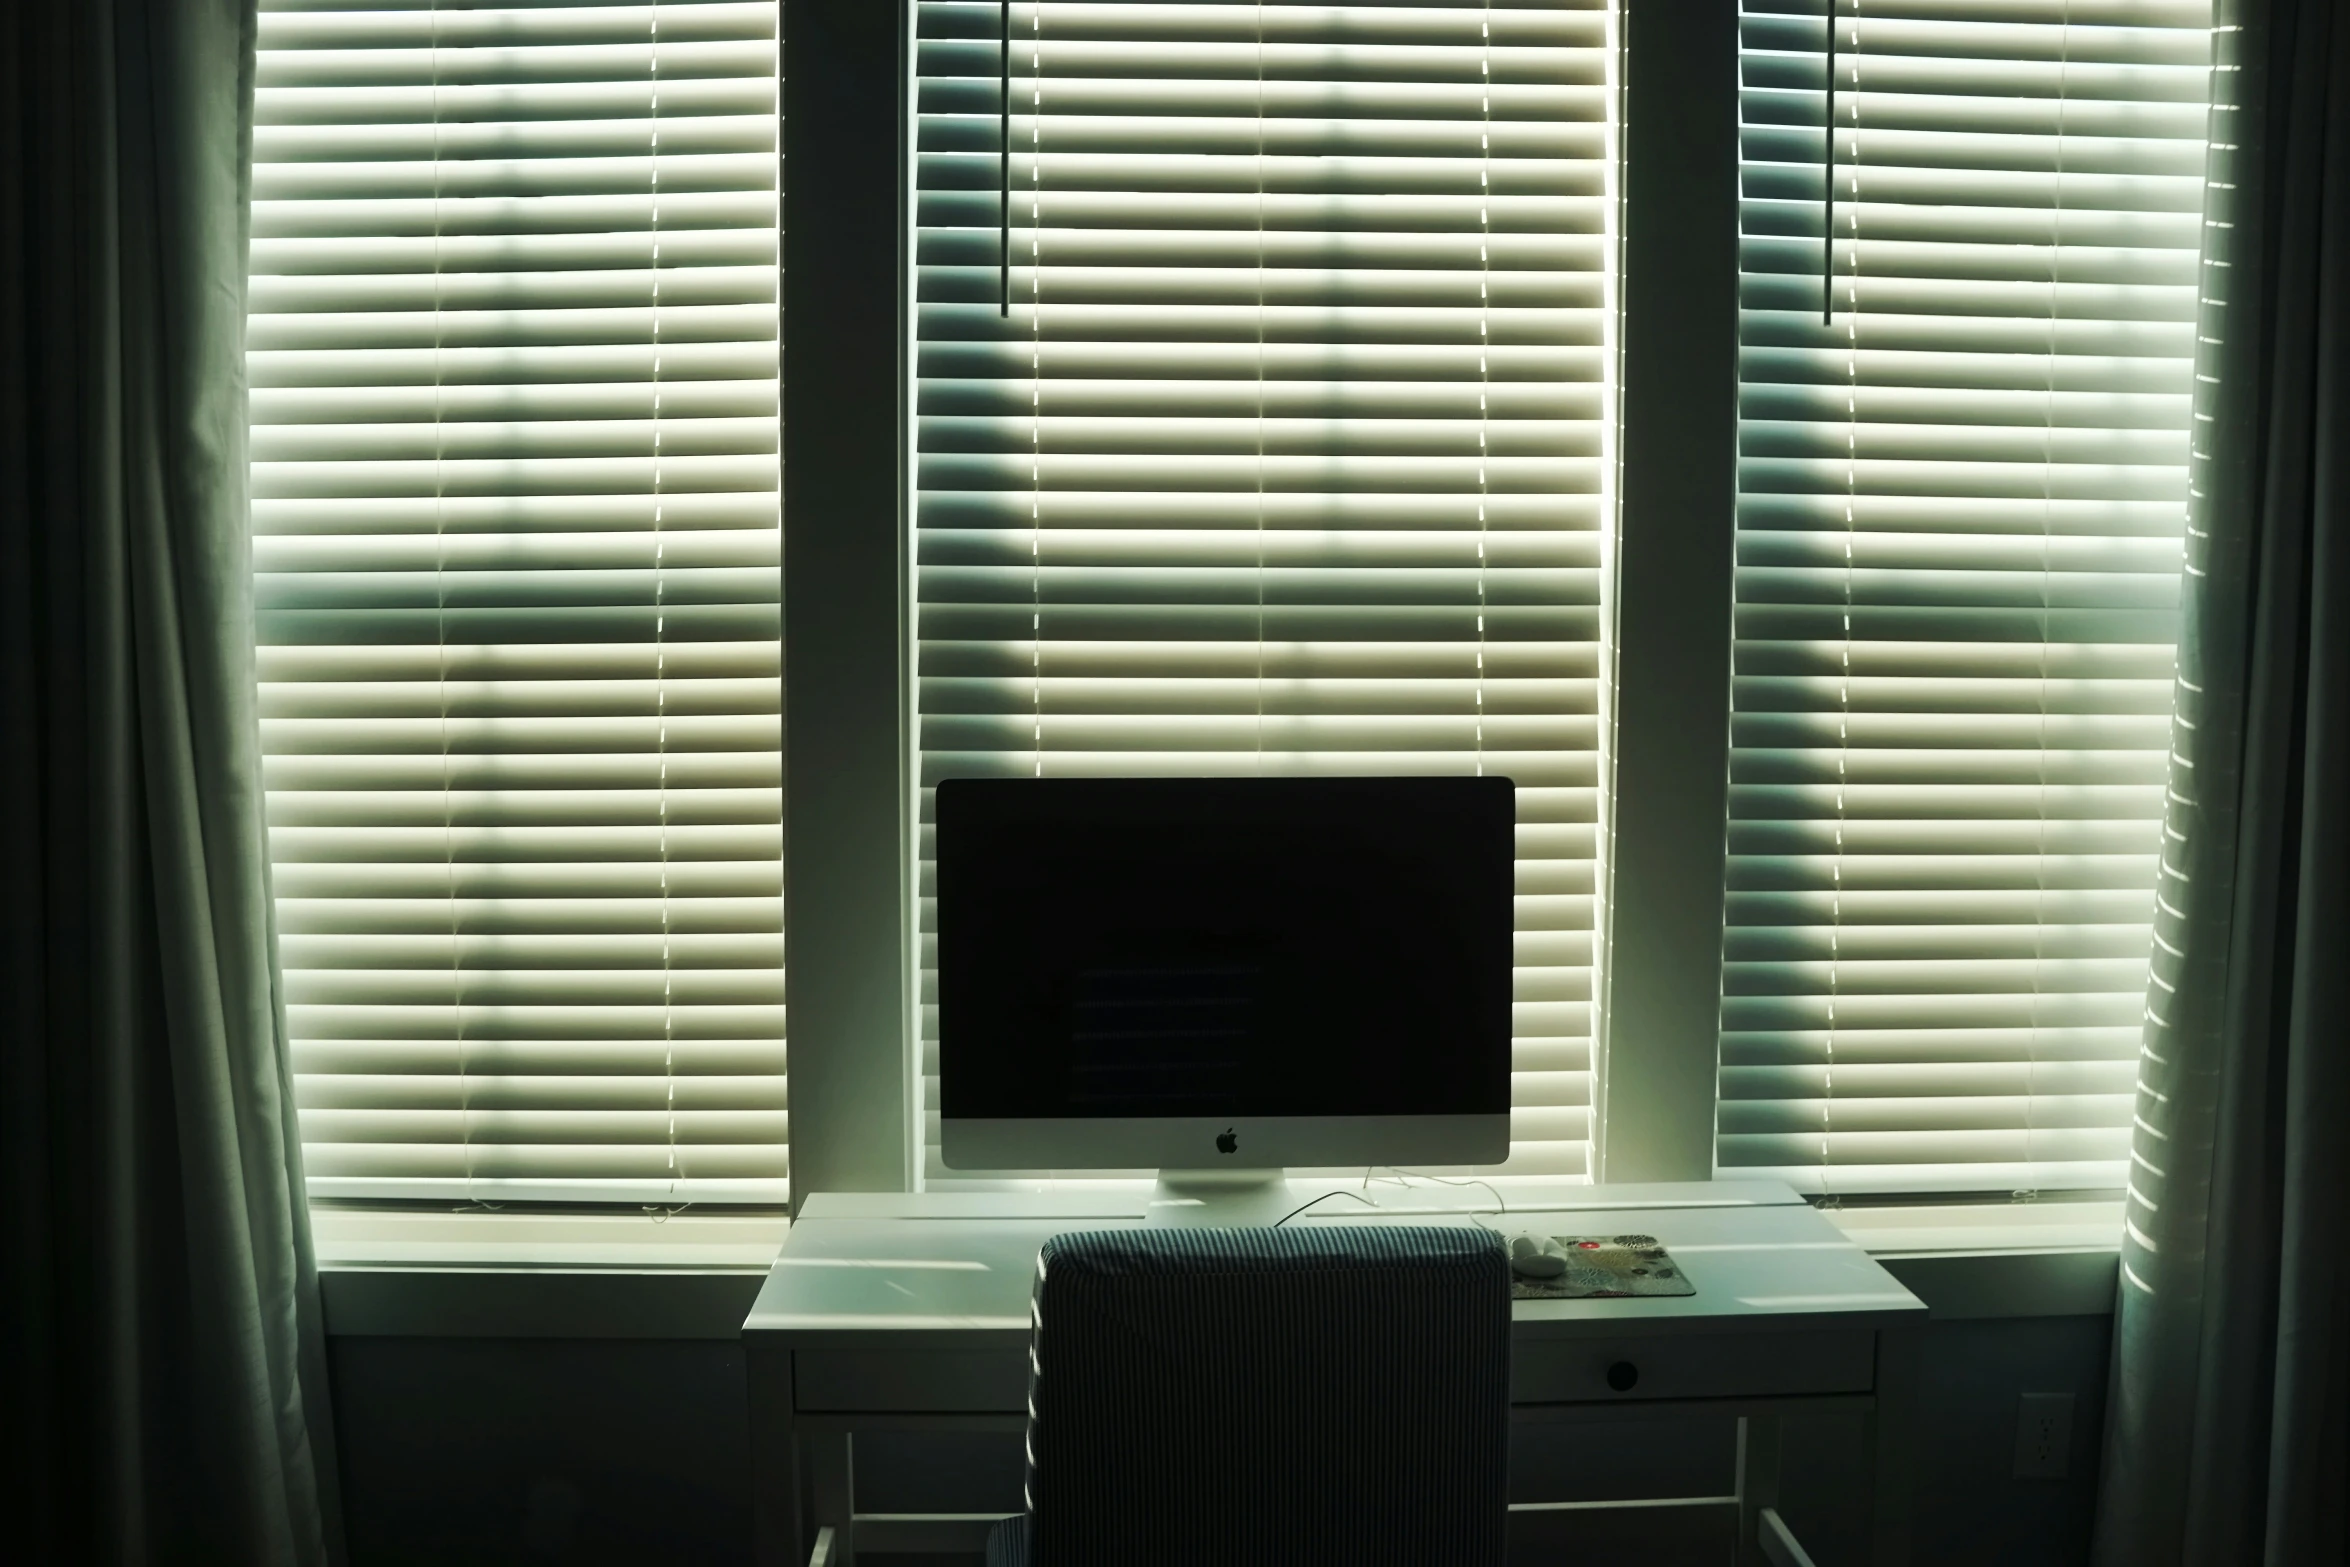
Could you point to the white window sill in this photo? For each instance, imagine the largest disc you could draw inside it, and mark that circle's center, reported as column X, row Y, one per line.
column 2051, row 1259
column 363, row 1238
column 357, row 1238
column 692, row 1275
column 2006, row 1228
column 538, row 1275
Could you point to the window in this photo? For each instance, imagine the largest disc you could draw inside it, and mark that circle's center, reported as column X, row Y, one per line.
column 1261, row 369
column 513, row 358
column 1263, row 401
column 1963, row 485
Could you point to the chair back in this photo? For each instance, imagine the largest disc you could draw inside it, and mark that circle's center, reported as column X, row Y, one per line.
column 1288, row 1397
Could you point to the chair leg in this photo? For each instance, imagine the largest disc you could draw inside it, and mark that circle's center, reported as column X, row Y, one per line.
column 1758, row 1483
column 1893, row 1432
column 1778, row 1543
column 832, row 1496
column 775, row 1465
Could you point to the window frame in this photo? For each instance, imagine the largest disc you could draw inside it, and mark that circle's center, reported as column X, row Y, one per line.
column 848, row 656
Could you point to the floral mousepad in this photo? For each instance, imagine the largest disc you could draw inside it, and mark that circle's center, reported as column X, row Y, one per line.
column 1601, row 1266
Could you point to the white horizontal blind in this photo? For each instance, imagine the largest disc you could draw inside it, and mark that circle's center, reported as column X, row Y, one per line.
column 1961, row 505
column 1292, row 451
column 513, row 357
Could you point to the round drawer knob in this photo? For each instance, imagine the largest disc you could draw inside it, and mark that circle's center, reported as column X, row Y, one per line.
column 1623, row 1376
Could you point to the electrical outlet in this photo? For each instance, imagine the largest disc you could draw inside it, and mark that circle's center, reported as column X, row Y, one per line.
column 2043, row 1435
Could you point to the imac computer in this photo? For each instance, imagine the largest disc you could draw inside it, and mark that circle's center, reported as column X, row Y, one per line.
column 1223, row 977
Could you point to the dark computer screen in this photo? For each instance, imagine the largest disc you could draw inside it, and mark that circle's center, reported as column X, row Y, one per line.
column 1224, row 947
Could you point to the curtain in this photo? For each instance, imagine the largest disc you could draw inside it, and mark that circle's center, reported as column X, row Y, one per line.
column 2225, row 1432
column 162, row 1383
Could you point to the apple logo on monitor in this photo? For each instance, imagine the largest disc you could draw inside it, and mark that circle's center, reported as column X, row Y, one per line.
column 1226, row 1142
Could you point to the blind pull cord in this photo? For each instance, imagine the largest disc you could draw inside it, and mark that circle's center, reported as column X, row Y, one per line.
column 661, row 648
column 1035, row 358
column 1484, row 340
column 1260, row 367
column 1003, row 158
column 2030, row 1188
column 440, row 605
column 1828, row 1196
column 1828, row 185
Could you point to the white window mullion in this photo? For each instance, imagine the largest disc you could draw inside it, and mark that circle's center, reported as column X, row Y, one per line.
column 1668, row 685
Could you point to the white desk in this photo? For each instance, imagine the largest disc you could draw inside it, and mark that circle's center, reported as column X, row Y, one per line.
column 895, row 1311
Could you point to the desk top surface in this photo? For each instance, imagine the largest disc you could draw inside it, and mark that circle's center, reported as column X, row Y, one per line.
column 956, row 1269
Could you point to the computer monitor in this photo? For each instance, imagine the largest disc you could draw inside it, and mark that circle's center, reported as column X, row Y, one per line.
column 1220, row 977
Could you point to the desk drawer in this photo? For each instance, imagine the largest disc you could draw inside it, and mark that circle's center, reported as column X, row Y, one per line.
column 943, row 1381
column 1542, row 1371
column 1727, row 1365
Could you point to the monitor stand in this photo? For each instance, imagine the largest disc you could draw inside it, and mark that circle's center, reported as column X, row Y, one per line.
column 1209, row 1198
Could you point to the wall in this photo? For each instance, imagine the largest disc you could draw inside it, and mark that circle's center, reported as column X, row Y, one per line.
column 488, row 1446
column 463, row 1451
column 1968, row 1508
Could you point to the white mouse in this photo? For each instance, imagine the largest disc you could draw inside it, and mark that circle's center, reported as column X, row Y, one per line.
column 1528, row 1259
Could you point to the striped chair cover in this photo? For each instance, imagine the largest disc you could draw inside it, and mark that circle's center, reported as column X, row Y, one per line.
column 1332, row 1395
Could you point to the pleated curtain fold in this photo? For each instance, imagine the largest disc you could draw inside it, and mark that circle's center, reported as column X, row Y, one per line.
column 2225, row 1436
column 164, row 1368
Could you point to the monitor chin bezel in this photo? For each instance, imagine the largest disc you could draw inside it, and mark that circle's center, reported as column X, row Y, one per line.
column 1072, row 1144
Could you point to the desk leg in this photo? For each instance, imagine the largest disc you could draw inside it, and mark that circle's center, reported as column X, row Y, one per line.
column 776, row 1539
column 1892, row 1434
column 832, row 1492
column 1758, row 1482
